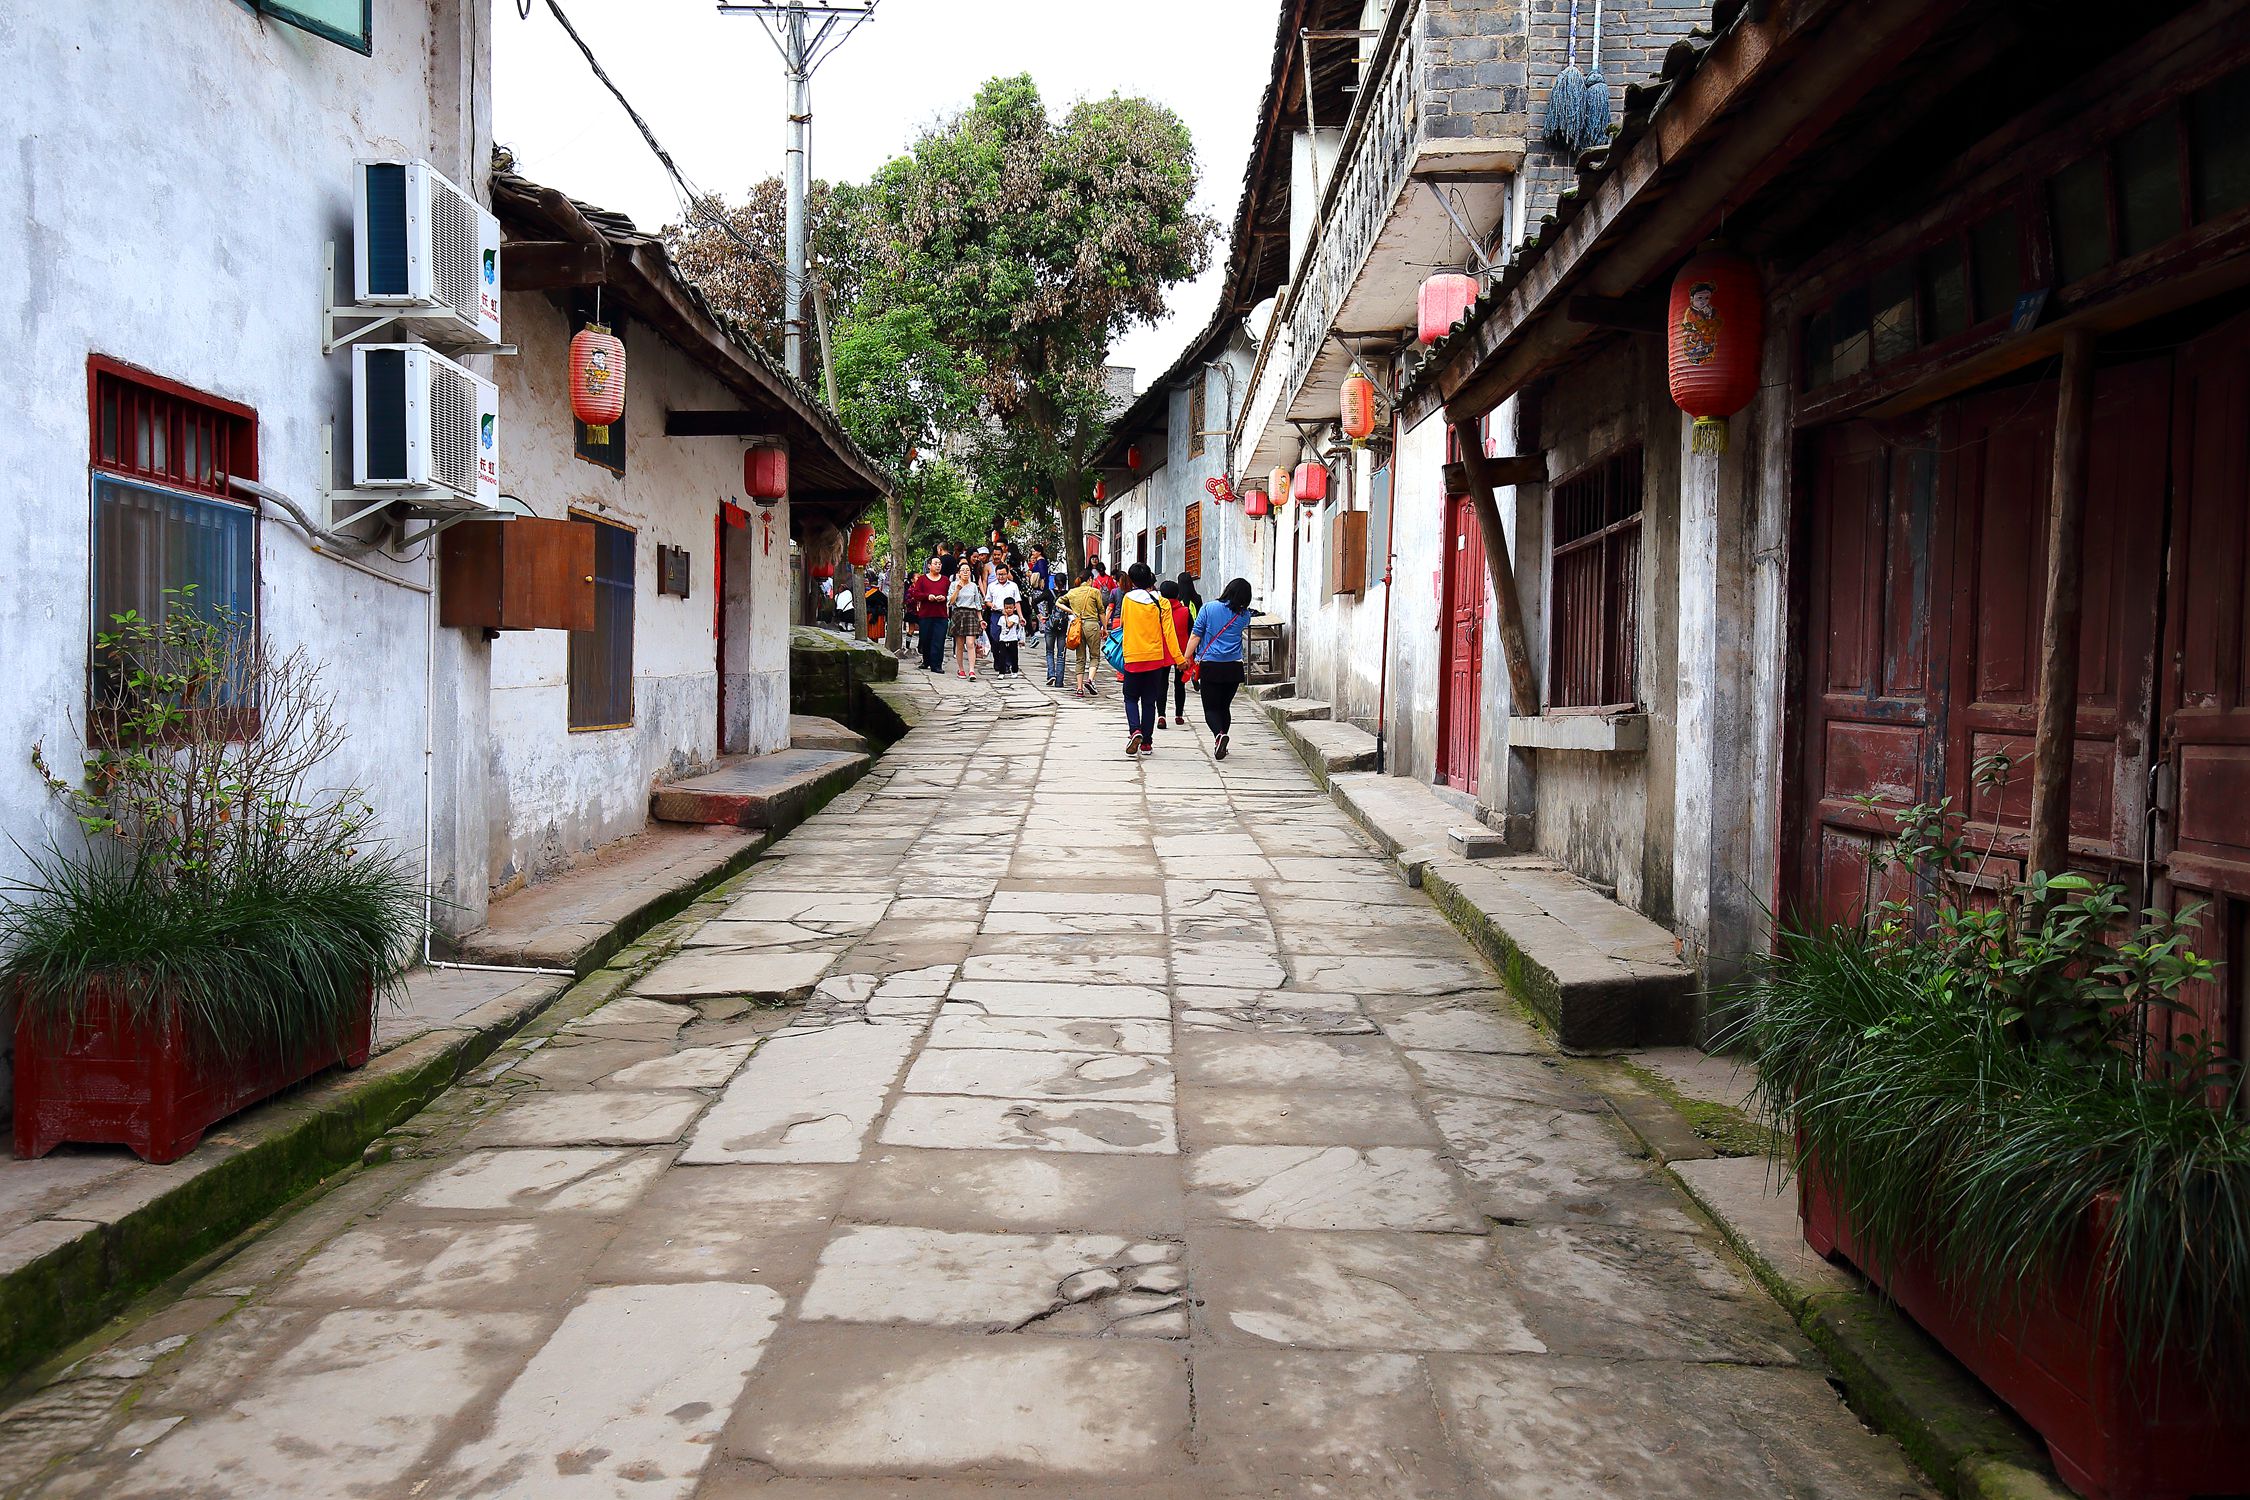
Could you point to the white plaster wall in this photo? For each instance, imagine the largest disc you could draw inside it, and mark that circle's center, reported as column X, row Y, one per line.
column 557, row 793
column 169, row 186
column 1418, row 504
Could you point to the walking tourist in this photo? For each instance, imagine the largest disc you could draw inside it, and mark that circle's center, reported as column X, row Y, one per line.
column 1085, row 606
column 1005, row 659
column 1216, row 648
column 965, row 603
column 1182, row 623
column 925, row 604
column 1152, row 649
column 997, row 595
column 877, row 604
column 1054, row 629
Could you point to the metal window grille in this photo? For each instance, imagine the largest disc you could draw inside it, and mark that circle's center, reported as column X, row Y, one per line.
column 154, row 432
column 1594, row 610
column 1195, row 416
column 601, row 659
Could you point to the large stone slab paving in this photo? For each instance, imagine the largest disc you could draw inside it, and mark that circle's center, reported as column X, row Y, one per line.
column 1390, row 974
column 1549, row 1165
column 1455, row 1028
column 952, row 1122
column 1302, row 1117
column 1582, row 1429
column 591, row 1117
column 1028, row 1190
column 1638, row 1294
column 824, row 905
column 960, row 1028
column 448, row 1263
column 364, row 1393
column 1328, row 1187
column 1037, row 998
column 1216, row 1058
column 733, row 1223
column 1357, row 1290
column 570, row 1179
column 804, row 1097
column 1319, row 1423
column 841, row 1401
column 691, row 1068
column 702, row 973
column 1064, row 1283
column 625, row 1399
column 1017, row 1073
column 1524, row 1078
column 1074, row 969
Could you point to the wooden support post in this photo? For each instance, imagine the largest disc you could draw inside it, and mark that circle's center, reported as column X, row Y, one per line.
column 2054, row 740
column 1523, row 688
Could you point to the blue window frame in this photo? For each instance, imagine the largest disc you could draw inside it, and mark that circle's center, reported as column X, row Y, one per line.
column 347, row 23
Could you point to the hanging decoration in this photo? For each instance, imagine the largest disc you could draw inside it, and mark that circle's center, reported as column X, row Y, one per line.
column 1101, row 492
column 1566, row 100
column 597, row 376
column 1277, row 488
column 1218, row 489
column 1093, row 548
column 1357, row 414
column 1311, row 481
column 823, row 570
column 1714, row 334
column 765, row 478
column 863, row 545
column 1255, row 504
column 1444, row 301
column 1133, row 458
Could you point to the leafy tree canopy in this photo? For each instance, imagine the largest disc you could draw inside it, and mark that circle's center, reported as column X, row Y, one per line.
column 742, row 276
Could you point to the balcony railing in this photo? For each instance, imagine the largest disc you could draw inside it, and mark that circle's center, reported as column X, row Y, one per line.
column 1377, row 152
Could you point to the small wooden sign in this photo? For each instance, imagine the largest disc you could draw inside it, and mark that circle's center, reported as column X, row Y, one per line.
column 672, row 571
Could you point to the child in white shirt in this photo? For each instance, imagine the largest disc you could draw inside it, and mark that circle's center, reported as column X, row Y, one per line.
column 1004, row 651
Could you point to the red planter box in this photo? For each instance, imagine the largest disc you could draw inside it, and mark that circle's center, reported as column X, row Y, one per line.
column 107, row 1078
column 2117, row 1427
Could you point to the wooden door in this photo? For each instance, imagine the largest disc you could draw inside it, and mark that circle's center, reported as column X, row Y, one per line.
column 1873, row 727
column 1461, row 673
column 2203, row 797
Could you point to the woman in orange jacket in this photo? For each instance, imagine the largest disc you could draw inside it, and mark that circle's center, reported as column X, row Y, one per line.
column 1152, row 649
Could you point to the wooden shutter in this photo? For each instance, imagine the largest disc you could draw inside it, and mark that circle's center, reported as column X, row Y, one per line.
column 523, row 574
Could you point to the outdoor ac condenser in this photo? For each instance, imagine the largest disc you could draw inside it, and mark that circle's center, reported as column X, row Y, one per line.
column 422, row 423
column 424, row 248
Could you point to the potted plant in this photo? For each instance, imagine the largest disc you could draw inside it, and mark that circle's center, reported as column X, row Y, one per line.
column 224, row 926
column 1985, row 1128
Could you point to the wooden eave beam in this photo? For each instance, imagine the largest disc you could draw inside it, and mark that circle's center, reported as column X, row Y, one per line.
column 551, row 265
column 1628, row 314
column 735, row 423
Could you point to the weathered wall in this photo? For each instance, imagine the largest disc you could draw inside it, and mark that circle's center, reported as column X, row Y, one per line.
column 1417, row 547
column 212, row 277
column 558, row 793
column 1635, row 36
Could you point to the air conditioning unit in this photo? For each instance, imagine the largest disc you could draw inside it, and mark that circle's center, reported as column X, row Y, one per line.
column 423, row 248
column 424, row 426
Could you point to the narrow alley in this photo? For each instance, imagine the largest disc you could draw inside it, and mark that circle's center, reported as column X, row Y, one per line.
column 1028, row 1122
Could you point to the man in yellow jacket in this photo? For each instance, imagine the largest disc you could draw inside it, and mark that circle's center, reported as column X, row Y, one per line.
column 1152, row 649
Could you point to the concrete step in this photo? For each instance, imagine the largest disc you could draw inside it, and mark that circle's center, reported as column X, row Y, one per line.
column 811, row 732
column 758, row 791
column 1290, row 710
column 1603, row 974
column 1331, row 749
column 1262, row 691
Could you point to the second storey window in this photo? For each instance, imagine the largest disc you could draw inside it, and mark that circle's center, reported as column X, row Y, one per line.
column 601, row 659
column 167, row 529
column 1593, row 613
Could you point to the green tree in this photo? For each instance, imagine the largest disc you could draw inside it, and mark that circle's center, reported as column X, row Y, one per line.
column 741, row 272
column 1032, row 243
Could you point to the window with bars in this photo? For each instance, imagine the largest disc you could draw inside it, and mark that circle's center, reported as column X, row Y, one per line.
column 601, row 659
column 1195, row 414
column 1594, row 590
column 167, row 529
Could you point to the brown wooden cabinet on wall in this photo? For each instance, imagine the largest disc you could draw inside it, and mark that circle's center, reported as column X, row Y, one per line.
column 522, row 574
column 1347, row 567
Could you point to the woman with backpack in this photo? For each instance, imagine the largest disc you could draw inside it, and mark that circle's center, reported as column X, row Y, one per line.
column 1083, row 631
column 1150, row 650
column 1216, row 648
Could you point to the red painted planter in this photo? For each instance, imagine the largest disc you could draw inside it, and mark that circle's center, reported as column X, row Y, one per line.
column 108, row 1078
column 2117, row 1427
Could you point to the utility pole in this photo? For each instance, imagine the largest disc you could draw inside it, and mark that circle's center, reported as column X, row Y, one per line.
column 805, row 33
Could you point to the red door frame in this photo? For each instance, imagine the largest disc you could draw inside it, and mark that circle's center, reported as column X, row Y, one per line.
column 1464, row 550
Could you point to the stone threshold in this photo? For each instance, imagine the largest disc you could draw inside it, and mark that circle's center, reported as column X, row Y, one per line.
column 1889, row 1371
column 82, row 1259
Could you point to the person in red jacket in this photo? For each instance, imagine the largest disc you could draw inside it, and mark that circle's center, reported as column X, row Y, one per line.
column 1183, row 621
column 925, row 602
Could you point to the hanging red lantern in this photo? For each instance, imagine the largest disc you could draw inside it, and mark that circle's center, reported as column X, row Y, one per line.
column 1277, row 488
column 863, row 545
column 1101, row 491
column 1133, row 458
column 1445, row 299
column 824, row 570
column 597, row 376
column 1093, row 548
column 1358, row 407
column 1255, row 504
column 765, row 473
column 1311, row 481
column 1713, row 335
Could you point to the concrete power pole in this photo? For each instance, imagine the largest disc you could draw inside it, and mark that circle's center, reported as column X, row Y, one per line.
column 806, row 34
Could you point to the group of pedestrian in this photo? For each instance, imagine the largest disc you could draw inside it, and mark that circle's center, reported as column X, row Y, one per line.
column 985, row 603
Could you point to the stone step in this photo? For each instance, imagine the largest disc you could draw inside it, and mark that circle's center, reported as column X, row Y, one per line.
column 1291, row 710
column 1603, row 974
column 1264, row 691
column 759, row 791
column 1331, row 749
column 811, row 732
column 1475, row 841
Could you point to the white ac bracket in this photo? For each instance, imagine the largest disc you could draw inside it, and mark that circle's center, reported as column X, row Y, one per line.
column 344, row 324
column 344, row 506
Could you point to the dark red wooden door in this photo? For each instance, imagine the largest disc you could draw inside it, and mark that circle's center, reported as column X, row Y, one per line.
column 1462, row 620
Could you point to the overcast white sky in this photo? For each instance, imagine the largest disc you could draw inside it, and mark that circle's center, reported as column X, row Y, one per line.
column 710, row 86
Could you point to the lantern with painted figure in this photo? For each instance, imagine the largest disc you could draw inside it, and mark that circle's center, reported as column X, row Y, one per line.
column 1444, row 300
column 1357, row 408
column 597, row 376
column 1277, row 488
column 1713, row 336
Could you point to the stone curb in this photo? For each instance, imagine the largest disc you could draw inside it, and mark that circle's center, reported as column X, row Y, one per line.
column 261, row 1159
column 1890, row 1372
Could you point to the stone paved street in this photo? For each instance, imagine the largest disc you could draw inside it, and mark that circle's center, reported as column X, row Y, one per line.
column 1029, row 1122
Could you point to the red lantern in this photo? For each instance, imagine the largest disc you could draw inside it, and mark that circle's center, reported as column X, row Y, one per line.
column 1445, row 299
column 1277, row 488
column 824, row 570
column 1311, row 482
column 1133, row 458
column 1255, row 504
column 1713, row 336
column 1093, row 548
column 597, row 376
column 863, row 545
column 1101, row 491
column 765, row 473
column 1358, row 407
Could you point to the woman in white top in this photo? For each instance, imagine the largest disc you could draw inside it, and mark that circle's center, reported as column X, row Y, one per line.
column 965, row 601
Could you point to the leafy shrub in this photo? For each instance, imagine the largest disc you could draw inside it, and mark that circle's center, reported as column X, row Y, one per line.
column 215, row 875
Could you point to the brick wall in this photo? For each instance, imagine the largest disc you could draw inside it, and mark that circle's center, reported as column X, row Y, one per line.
column 1635, row 36
column 1476, row 81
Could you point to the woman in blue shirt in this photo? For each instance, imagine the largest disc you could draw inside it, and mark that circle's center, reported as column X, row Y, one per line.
column 1216, row 648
